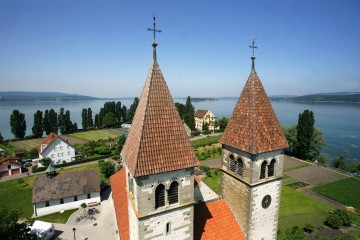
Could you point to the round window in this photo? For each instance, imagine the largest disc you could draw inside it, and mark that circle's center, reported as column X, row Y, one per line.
column 266, row 201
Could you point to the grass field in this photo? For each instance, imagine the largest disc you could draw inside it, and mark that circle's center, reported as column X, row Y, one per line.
column 18, row 197
column 205, row 141
column 95, row 134
column 214, row 182
column 346, row 191
column 57, row 217
column 296, row 209
column 296, row 167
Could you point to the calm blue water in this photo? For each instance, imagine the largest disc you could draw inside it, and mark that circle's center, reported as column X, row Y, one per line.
column 338, row 122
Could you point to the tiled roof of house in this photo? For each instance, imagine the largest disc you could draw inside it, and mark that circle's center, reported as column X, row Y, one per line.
column 10, row 158
column 65, row 184
column 7, row 162
column 49, row 140
column 253, row 126
column 157, row 140
column 200, row 113
column 119, row 194
column 215, row 220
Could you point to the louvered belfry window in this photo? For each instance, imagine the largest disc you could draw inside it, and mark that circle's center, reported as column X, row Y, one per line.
column 263, row 170
column 239, row 167
column 160, row 196
column 174, row 193
column 232, row 163
column 271, row 168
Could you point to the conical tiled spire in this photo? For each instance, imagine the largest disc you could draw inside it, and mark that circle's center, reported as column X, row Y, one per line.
column 253, row 126
column 157, row 141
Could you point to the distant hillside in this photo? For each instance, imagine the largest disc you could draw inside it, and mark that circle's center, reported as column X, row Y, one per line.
column 341, row 97
column 12, row 96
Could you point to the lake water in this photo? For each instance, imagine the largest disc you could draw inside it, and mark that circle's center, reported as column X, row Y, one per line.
column 338, row 122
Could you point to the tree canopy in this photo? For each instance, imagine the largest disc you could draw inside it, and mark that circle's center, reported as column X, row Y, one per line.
column 186, row 112
column 18, row 124
column 305, row 134
column 37, row 128
column 10, row 228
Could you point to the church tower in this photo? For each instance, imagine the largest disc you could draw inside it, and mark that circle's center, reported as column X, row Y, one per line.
column 252, row 161
column 159, row 162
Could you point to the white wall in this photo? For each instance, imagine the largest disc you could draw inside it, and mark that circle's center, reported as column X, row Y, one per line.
column 263, row 222
column 59, row 151
column 69, row 203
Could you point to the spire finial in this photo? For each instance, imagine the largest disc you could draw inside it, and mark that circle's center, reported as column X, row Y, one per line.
column 154, row 43
column 253, row 55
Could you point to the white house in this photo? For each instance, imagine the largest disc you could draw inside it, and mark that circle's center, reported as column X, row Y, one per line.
column 10, row 166
column 204, row 116
column 57, row 149
column 65, row 191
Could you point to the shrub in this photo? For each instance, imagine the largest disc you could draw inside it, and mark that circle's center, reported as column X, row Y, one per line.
column 34, row 169
column 294, row 233
column 309, row 228
column 204, row 168
column 337, row 219
column 107, row 168
column 83, row 205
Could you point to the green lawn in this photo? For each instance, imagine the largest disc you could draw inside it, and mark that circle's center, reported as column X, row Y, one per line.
column 297, row 167
column 17, row 196
column 205, row 141
column 95, row 134
column 346, row 191
column 57, row 217
column 296, row 209
column 214, row 181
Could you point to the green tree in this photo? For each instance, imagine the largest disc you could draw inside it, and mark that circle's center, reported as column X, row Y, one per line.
column 89, row 118
column 45, row 161
column 316, row 145
column 124, row 114
column 65, row 124
column 53, row 121
column 340, row 162
column 46, row 123
column 222, row 123
column 305, row 132
column 181, row 110
column 33, row 153
column 11, row 228
column 37, row 128
column 110, row 119
column 189, row 114
column 1, row 139
column 96, row 121
column 294, row 233
column 132, row 109
column 205, row 127
column 120, row 143
column 84, row 120
column 107, row 168
column 18, row 124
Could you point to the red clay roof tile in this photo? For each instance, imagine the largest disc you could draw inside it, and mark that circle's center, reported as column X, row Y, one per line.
column 253, row 126
column 157, row 140
column 214, row 220
column 119, row 194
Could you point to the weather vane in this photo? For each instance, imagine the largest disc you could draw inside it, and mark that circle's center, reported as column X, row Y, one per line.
column 253, row 45
column 154, row 29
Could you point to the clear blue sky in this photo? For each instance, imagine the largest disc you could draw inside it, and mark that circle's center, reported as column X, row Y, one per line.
column 102, row 48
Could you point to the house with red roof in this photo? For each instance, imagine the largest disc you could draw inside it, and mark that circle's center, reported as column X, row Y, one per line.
column 10, row 166
column 57, row 149
column 157, row 195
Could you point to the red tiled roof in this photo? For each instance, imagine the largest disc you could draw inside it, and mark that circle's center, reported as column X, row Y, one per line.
column 253, row 126
column 200, row 113
column 214, row 220
column 157, row 140
column 119, row 194
column 7, row 162
column 47, row 141
column 10, row 158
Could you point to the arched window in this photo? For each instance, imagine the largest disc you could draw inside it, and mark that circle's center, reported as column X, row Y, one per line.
column 240, row 167
column 173, row 193
column 263, row 169
column 232, row 163
column 271, row 168
column 160, row 196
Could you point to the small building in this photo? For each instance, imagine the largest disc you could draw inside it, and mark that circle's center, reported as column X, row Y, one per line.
column 65, row 191
column 10, row 166
column 57, row 149
column 202, row 117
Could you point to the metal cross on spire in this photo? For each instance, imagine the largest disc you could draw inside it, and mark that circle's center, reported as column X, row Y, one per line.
column 253, row 45
column 154, row 29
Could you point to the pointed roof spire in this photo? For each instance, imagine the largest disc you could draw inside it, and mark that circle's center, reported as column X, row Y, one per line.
column 157, row 140
column 154, row 44
column 253, row 55
column 253, row 126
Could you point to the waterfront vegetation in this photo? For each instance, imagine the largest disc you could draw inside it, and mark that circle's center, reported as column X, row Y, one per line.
column 345, row 191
